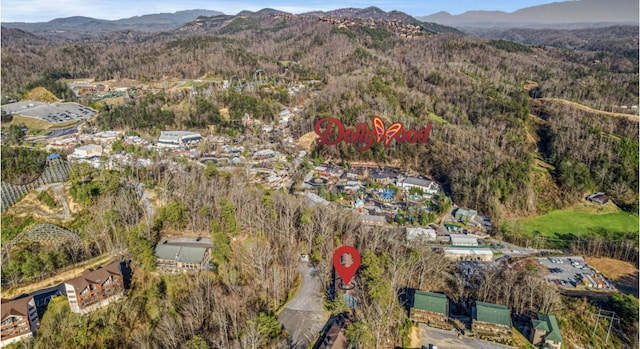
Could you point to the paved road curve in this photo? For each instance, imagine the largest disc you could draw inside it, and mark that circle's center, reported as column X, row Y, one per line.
column 304, row 316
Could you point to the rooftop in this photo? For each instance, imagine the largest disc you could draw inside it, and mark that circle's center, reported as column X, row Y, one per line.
column 178, row 133
column 492, row 313
column 462, row 239
column 15, row 307
column 97, row 276
column 553, row 331
column 90, row 147
column 417, row 181
column 462, row 212
column 182, row 254
column 420, row 233
column 433, row 302
column 468, row 251
column 316, row 199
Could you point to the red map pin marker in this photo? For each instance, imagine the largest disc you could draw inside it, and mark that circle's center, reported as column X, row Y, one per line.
column 346, row 272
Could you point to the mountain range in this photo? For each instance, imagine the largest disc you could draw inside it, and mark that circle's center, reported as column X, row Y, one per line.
column 87, row 25
column 559, row 15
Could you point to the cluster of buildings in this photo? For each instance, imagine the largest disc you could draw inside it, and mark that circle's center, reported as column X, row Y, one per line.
column 95, row 289
column 88, row 292
column 396, row 26
column 488, row 320
column 377, row 194
column 98, row 90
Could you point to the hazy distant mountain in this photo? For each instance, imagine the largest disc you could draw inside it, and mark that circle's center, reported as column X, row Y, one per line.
column 86, row 25
column 267, row 17
column 567, row 14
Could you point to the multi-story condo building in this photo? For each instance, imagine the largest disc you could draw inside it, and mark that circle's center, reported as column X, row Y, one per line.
column 95, row 289
column 19, row 319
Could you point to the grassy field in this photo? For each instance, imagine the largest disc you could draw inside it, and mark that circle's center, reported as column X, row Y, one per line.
column 581, row 219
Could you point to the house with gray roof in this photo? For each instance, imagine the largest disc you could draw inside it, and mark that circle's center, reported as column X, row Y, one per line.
column 545, row 332
column 491, row 320
column 177, row 257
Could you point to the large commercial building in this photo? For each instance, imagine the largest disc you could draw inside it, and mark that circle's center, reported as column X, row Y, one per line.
column 427, row 186
column 95, row 289
column 19, row 320
column 174, row 139
column 462, row 240
column 88, row 151
column 468, row 254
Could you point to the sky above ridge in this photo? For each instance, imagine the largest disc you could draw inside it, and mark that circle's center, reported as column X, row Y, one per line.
column 45, row 10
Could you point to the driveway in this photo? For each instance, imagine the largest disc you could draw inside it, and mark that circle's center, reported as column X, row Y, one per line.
column 450, row 340
column 304, row 316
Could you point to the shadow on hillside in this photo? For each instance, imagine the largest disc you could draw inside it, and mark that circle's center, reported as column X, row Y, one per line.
column 628, row 284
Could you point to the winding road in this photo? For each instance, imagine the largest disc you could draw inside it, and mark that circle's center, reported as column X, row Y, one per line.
column 304, row 316
column 57, row 189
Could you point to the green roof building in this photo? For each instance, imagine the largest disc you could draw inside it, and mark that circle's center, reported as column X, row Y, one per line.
column 545, row 332
column 491, row 319
column 431, row 309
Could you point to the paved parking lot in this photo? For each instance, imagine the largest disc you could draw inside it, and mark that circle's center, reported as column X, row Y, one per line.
column 450, row 340
column 304, row 316
column 50, row 112
column 565, row 272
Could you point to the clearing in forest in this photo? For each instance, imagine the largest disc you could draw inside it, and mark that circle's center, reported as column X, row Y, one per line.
column 306, row 141
column 581, row 219
column 40, row 94
column 624, row 275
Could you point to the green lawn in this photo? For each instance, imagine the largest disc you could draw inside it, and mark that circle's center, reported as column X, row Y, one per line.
column 579, row 222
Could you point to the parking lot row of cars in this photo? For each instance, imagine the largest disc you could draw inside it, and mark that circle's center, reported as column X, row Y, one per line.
column 68, row 115
column 573, row 272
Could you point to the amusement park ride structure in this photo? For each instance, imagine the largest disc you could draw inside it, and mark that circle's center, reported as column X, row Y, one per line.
column 259, row 78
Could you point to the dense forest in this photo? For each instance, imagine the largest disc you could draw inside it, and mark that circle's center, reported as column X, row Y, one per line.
column 21, row 165
column 257, row 237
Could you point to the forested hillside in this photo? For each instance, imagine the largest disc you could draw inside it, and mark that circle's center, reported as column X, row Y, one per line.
column 488, row 138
